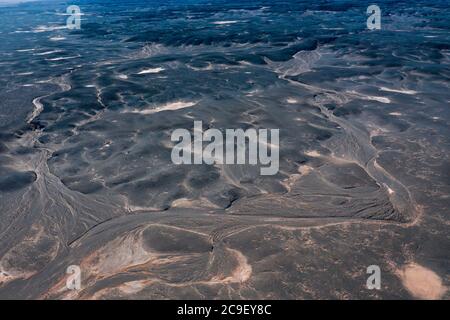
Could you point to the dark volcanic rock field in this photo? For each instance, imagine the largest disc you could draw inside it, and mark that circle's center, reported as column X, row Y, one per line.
column 86, row 176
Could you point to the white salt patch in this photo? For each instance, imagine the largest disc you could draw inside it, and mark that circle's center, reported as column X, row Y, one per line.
column 151, row 70
column 207, row 68
column 301, row 62
column 252, row 93
column 48, row 28
column 225, row 22
column 404, row 91
column 107, row 144
column 374, row 98
column 46, row 53
column 38, row 107
column 379, row 99
column 170, row 106
column 57, row 38
column 61, row 58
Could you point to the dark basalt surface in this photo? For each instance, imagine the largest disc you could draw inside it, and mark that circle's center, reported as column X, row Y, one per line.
column 86, row 176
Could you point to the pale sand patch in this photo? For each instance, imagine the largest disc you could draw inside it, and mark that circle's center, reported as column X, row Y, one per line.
column 57, row 38
column 377, row 132
column 240, row 274
column 304, row 170
column 151, row 70
column 10, row 275
column 243, row 271
column 38, row 107
column 13, row 275
column 372, row 98
column 170, row 106
column 48, row 28
column 46, row 53
column 252, row 93
column 193, row 203
column 313, row 153
column 379, row 99
column 421, row 282
column 225, row 22
column 132, row 287
column 404, row 91
column 62, row 58
column 290, row 181
column 293, row 178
